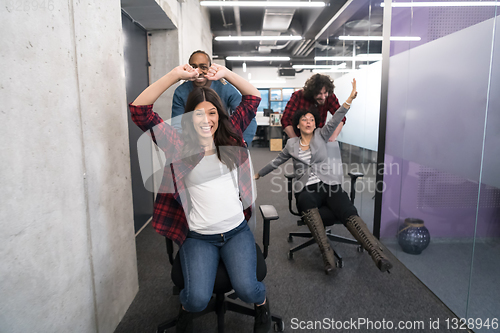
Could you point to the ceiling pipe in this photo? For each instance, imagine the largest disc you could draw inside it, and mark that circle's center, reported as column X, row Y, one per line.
column 307, row 46
column 237, row 21
column 224, row 24
column 299, row 47
column 304, row 48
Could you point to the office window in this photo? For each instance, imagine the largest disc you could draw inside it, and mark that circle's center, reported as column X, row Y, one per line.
column 264, row 103
column 287, row 93
column 276, row 94
column 278, row 106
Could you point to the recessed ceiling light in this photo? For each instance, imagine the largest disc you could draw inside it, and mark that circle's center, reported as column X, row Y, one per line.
column 305, row 4
column 255, row 38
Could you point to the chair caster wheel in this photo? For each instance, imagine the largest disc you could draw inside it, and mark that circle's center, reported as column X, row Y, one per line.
column 360, row 249
column 279, row 326
column 290, row 255
column 290, row 238
column 339, row 264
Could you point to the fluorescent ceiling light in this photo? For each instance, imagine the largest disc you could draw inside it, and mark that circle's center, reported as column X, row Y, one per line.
column 332, row 70
column 261, row 4
column 342, row 65
column 360, row 57
column 268, row 81
column 369, row 56
column 255, row 38
column 258, row 58
column 445, row 4
column 379, row 38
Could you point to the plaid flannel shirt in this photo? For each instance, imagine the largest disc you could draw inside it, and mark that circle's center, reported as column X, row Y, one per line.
column 169, row 218
column 298, row 102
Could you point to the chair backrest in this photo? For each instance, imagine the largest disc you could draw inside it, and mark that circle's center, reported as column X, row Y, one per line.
column 335, row 159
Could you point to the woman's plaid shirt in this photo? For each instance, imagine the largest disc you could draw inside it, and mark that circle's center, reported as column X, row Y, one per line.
column 169, row 218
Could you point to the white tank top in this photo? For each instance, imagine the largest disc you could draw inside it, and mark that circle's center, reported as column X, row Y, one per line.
column 215, row 204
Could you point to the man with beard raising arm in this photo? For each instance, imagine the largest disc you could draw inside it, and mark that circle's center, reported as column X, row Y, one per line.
column 317, row 91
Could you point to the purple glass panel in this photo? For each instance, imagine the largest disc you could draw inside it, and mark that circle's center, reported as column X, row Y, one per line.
column 447, row 203
column 431, row 23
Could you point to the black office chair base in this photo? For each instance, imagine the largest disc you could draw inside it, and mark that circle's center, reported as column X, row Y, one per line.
column 331, row 237
column 220, row 304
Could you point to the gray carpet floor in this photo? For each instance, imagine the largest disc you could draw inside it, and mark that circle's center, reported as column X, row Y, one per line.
column 298, row 289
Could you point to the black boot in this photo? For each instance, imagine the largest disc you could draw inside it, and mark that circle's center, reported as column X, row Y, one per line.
column 313, row 220
column 263, row 319
column 360, row 231
column 184, row 322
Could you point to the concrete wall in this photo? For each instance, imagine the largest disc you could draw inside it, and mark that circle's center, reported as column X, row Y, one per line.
column 67, row 247
column 171, row 48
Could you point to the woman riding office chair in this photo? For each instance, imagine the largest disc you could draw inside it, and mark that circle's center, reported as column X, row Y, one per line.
column 219, row 302
column 317, row 185
column 327, row 215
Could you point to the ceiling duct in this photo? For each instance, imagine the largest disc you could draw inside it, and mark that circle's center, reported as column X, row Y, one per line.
column 275, row 22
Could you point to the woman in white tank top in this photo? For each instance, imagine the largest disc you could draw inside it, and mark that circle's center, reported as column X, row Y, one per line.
column 202, row 205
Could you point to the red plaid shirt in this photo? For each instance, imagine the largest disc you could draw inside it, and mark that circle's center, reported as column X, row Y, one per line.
column 169, row 218
column 298, row 102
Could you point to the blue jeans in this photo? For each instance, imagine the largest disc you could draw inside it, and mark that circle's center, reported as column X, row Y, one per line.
column 200, row 256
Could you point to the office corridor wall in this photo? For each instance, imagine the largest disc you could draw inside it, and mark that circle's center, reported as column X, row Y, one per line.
column 67, row 248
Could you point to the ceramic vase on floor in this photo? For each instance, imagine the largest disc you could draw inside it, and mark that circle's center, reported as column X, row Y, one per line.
column 413, row 236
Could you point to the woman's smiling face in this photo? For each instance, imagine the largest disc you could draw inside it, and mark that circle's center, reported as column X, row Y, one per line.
column 205, row 119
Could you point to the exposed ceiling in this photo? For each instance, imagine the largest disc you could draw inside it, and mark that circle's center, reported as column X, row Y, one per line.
column 342, row 17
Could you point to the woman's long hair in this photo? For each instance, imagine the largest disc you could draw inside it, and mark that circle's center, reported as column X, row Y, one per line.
column 225, row 135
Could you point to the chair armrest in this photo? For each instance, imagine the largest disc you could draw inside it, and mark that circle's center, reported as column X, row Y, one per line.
column 170, row 250
column 269, row 213
column 354, row 176
column 290, row 177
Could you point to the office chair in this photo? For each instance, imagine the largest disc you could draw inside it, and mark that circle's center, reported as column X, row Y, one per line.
column 260, row 139
column 328, row 218
column 219, row 302
column 261, row 135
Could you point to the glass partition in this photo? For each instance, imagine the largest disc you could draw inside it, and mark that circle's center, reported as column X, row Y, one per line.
column 349, row 49
column 442, row 150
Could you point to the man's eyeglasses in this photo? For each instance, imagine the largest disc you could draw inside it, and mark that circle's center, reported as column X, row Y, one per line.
column 203, row 67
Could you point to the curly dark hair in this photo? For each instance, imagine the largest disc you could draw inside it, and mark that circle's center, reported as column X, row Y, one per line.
column 225, row 135
column 315, row 83
column 203, row 52
column 302, row 112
